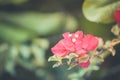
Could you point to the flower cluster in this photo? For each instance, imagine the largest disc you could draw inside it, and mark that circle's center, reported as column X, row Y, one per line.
column 77, row 43
column 117, row 15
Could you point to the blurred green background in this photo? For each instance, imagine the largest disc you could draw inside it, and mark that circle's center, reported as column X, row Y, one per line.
column 29, row 28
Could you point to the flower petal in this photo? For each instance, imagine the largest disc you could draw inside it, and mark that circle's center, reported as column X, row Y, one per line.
column 81, row 52
column 78, row 45
column 90, row 42
column 85, row 64
column 117, row 16
column 69, row 45
column 67, row 35
column 78, row 35
column 59, row 49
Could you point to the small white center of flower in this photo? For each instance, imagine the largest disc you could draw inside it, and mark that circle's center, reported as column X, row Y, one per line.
column 76, row 35
column 70, row 35
column 73, row 40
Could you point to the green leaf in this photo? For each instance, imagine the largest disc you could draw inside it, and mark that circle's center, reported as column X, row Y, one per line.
column 74, row 76
column 12, row 56
column 39, row 56
column 71, row 56
column 72, row 65
column 84, row 58
column 100, row 11
column 41, row 42
column 10, row 67
column 97, row 29
column 11, row 34
column 57, row 64
column 99, row 58
column 19, row 27
column 53, row 58
column 25, row 51
column 107, row 44
column 115, row 30
column 113, row 51
column 42, row 24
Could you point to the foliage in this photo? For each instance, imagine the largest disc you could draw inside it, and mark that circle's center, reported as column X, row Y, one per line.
column 100, row 11
column 29, row 28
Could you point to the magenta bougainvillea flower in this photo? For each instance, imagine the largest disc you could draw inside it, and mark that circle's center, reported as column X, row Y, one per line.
column 117, row 15
column 77, row 43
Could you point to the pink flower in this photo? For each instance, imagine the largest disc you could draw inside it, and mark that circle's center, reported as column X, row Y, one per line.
column 72, row 39
column 85, row 64
column 84, row 60
column 77, row 43
column 89, row 42
column 59, row 49
column 117, row 15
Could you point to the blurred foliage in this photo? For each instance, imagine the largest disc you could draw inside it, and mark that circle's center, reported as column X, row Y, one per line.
column 100, row 11
column 17, row 27
column 28, row 56
column 12, row 1
column 28, row 29
column 97, row 29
